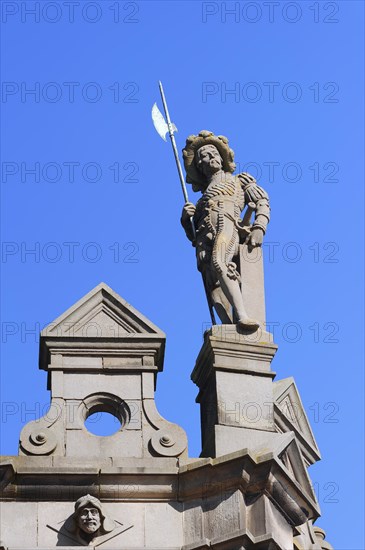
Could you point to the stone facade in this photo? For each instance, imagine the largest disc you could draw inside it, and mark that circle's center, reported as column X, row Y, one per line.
column 249, row 489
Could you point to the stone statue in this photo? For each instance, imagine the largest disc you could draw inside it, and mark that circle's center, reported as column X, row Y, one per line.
column 219, row 228
column 89, row 520
column 89, row 525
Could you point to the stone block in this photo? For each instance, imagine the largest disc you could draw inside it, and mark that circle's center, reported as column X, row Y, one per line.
column 163, row 525
column 129, row 514
column 223, row 513
column 57, row 384
column 115, row 362
column 148, row 385
column 78, row 386
column 51, row 517
column 81, row 360
column 229, row 439
column 264, row 518
column 193, row 521
column 244, row 400
column 127, row 443
column 18, row 523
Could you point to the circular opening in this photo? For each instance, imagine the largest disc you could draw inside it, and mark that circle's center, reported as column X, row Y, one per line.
column 105, row 414
column 102, row 423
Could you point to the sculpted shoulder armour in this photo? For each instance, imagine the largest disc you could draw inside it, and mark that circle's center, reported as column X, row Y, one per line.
column 258, row 196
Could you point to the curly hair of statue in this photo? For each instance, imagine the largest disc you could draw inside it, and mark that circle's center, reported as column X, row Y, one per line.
column 193, row 143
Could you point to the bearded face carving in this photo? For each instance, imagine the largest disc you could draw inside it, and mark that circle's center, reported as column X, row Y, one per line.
column 89, row 519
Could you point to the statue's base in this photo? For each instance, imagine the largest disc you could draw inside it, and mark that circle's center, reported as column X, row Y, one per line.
column 234, row 377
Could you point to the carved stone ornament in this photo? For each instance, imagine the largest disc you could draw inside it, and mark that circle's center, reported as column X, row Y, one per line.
column 214, row 224
column 88, row 525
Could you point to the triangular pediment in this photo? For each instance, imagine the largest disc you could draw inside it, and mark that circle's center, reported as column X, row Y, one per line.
column 290, row 416
column 102, row 313
column 288, row 452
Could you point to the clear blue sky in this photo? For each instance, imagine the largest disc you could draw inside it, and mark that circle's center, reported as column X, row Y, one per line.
column 106, row 182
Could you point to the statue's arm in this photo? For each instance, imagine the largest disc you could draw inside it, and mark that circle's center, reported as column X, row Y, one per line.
column 257, row 195
column 186, row 216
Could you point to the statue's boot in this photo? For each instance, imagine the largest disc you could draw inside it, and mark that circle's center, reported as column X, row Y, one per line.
column 233, row 293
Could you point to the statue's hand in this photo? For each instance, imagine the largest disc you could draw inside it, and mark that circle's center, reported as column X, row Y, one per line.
column 188, row 211
column 255, row 238
column 186, row 215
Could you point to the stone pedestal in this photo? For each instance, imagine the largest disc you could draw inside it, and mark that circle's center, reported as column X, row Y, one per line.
column 234, row 376
column 242, row 408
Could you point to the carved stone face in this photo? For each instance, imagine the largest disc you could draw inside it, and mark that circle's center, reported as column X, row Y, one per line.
column 89, row 520
column 208, row 160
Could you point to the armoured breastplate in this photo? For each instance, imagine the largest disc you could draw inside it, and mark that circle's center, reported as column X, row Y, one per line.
column 218, row 192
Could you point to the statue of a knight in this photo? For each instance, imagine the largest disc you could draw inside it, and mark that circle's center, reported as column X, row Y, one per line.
column 219, row 228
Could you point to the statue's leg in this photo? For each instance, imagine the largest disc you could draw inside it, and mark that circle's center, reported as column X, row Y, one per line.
column 221, row 305
column 216, row 294
column 223, row 252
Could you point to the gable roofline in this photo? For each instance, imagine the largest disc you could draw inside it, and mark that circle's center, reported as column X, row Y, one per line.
column 101, row 293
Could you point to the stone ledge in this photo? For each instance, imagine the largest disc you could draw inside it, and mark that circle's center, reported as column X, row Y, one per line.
column 235, row 355
column 255, row 472
column 243, row 537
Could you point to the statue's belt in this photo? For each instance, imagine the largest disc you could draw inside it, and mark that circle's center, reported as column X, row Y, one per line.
column 212, row 204
column 244, row 229
column 220, row 198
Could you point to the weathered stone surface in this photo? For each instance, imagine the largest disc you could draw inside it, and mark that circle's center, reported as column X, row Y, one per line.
column 219, row 234
column 101, row 313
column 241, row 408
column 289, row 414
column 234, row 377
column 169, row 503
column 251, row 268
column 91, row 372
column 264, row 517
column 251, row 491
column 163, row 525
column 17, row 533
column 321, row 535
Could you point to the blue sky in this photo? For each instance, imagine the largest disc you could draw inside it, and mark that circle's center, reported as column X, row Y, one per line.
column 284, row 82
